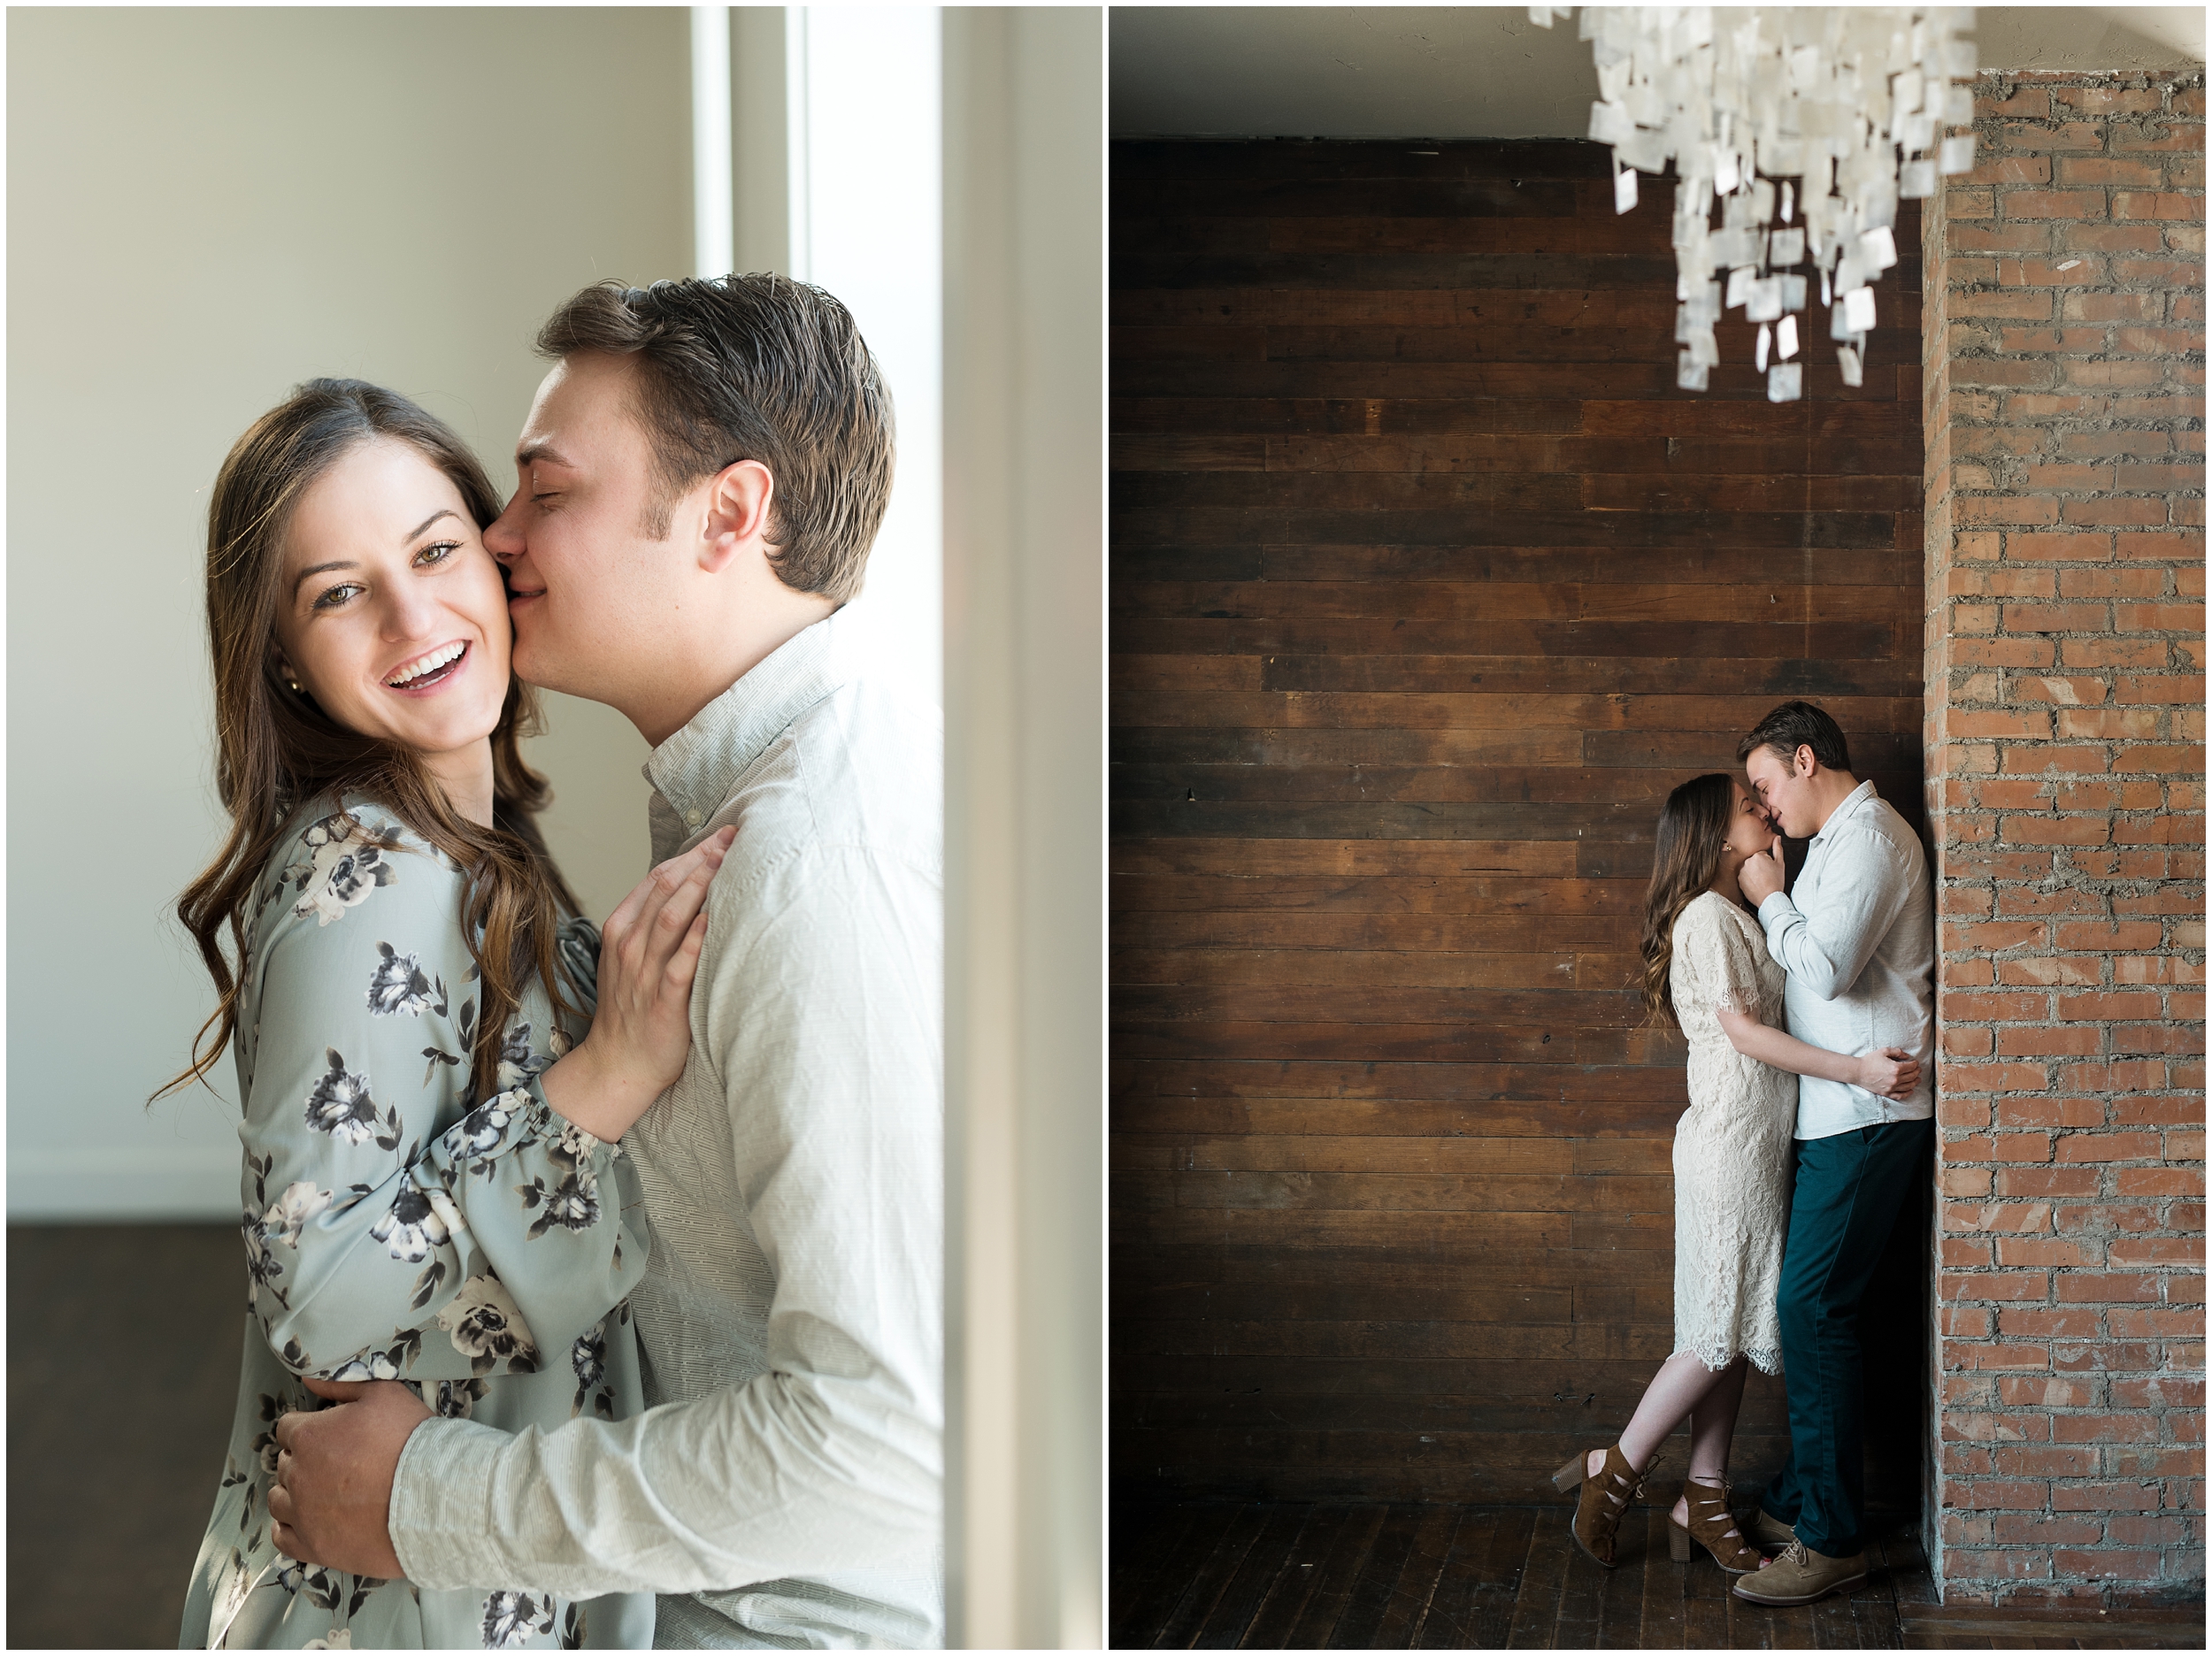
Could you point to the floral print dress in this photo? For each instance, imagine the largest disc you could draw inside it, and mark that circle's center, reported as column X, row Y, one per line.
column 479, row 1253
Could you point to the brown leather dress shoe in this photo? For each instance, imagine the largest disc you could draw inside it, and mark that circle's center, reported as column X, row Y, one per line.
column 1768, row 1533
column 1800, row 1575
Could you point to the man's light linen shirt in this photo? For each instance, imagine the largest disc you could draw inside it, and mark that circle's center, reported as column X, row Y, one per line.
column 788, row 1492
column 1856, row 935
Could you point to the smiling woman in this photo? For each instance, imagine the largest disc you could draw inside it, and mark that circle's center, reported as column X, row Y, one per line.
column 328, row 576
column 398, row 628
column 385, row 884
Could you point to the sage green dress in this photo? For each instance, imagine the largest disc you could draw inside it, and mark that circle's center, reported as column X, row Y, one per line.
column 401, row 1224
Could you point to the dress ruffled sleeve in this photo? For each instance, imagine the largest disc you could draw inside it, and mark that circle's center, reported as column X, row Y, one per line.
column 394, row 1233
column 1729, row 967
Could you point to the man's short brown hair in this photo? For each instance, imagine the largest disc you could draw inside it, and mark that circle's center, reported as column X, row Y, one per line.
column 753, row 368
column 1796, row 725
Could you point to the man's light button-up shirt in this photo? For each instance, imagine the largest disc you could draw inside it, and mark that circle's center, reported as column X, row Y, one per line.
column 1856, row 935
column 787, row 1490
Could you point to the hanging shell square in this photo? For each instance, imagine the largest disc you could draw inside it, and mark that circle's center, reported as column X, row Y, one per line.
column 1807, row 125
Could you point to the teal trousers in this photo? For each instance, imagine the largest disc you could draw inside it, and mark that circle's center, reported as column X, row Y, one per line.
column 1848, row 1190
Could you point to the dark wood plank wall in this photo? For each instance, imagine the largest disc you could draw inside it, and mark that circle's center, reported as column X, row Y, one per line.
column 1426, row 585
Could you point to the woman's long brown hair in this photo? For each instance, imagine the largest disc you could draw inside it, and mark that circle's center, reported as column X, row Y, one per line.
column 1692, row 833
column 277, row 751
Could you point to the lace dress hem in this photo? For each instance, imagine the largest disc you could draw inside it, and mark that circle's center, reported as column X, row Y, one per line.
column 1717, row 1358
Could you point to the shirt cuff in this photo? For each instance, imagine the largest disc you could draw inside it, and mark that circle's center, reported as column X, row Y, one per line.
column 1772, row 910
column 440, row 1517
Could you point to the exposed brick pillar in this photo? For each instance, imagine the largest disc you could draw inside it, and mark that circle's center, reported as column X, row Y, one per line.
column 2065, row 317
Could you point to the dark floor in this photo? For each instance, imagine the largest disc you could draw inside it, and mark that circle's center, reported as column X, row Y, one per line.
column 123, row 1347
column 1344, row 1575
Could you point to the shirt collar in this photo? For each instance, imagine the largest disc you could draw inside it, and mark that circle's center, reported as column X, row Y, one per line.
column 1865, row 791
column 698, row 768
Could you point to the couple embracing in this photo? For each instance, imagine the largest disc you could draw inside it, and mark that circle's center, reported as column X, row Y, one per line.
column 595, row 1287
column 1811, row 1030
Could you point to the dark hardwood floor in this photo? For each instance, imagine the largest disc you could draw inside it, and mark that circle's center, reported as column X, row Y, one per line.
column 123, row 1350
column 1346, row 1575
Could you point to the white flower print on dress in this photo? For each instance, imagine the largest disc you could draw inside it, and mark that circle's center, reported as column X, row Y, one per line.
column 237, row 1588
column 511, row 1617
column 455, row 1400
column 340, row 1105
column 369, row 1366
column 338, row 1638
column 573, row 1145
column 488, row 1328
column 262, row 1267
column 573, row 1204
column 398, row 986
column 349, row 862
column 413, row 1226
column 480, row 1131
column 517, row 1064
column 265, row 1444
column 587, row 1356
column 441, row 1204
column 577, row 944
column 319, row 1584
column 288, row 1214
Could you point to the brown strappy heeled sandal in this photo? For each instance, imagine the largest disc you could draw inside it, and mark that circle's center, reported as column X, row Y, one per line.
column 1604, row 1498
column 1713, row 1528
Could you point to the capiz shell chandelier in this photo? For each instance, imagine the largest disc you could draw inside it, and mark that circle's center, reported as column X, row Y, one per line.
column 1809, row 123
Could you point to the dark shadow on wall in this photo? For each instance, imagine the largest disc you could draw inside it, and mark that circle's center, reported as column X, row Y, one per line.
column 123, row 1344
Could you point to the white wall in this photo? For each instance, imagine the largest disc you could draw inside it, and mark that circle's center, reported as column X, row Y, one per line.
column 205, row 207
column 987, row 318
column 834, row 119
column 1024, row 622
column 863, row 139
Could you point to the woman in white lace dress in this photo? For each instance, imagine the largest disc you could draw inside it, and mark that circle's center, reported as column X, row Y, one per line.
column 1707, row 971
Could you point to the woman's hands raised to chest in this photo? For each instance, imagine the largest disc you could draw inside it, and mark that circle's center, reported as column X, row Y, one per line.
column 648, row 954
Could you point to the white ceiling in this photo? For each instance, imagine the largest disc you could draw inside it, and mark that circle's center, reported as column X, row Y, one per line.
column 1467, row 72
